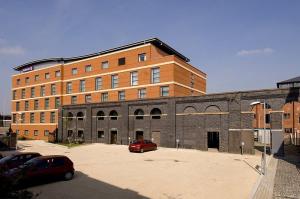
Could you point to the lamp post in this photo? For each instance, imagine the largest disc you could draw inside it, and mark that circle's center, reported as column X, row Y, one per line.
column 263, row 166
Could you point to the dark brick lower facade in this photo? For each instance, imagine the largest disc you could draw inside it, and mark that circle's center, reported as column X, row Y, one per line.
column 220, row 120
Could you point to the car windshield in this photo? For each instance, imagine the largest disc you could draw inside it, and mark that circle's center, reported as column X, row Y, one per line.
column 6, row 158
column 136, row 142
column 28, row 163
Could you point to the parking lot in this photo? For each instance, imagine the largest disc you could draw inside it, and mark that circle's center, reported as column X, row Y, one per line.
column 110, row 171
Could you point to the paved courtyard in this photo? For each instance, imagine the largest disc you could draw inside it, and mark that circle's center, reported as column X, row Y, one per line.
column 110, row 171
column 287, row 179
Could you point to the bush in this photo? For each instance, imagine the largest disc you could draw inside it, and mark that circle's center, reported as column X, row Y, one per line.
column 22, row 138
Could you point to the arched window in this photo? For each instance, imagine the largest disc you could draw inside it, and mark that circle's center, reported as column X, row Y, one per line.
column 80, row 116
column 139, row 114
column 155, row 113
column 100, row 115
column 70, row 116
column 212, row 109
column 113, row 115
column 190, row 110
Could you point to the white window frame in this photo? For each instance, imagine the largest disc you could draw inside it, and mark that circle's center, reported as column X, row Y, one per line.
column 134, row 78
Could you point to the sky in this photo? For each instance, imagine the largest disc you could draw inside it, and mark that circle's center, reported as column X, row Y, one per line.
column 239, row 44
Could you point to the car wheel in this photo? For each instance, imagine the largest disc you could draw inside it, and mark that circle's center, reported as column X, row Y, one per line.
column 142, row 150
column 68, row 176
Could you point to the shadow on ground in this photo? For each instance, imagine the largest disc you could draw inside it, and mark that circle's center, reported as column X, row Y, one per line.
column 82, row 186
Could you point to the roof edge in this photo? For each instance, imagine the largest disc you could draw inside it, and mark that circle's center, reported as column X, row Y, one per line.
column 155, row 41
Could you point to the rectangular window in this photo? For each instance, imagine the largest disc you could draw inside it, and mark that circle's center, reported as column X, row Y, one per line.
column 104, row 97
column 286, row 116
column 88, row 98
column 114, row 81
column 74, row 100
column 46, row 132
column 142, row 93
column 36, row 78
column 192, row 76
column 98, row 83
column 23, row 93
column 23, row 118
column 142, row 57
column 26, row 132
column 155, row 75
column 14, row 95
column 53, row 89
column 288, row 130
column 164, row 91
column 42, row 117
column 17, row 106
column 134, row 81
column 88, row 68
column 35, row 132
column 32, row 92
column 18, row 81
column 36, row 104
column 121, row 95
column 82, row 86
column 104, row 65
column 74, row 71
column 57, row 102
column 42, row 91
column 27, row 80
column 47, row 103
column 69, row 87
column 100, row 134
column 14, row 118
column 26, row 105
column 52, row 117
column 31, row 117
column 57, row 73
column 121, row 61
column 268, row 119
column 47, row 75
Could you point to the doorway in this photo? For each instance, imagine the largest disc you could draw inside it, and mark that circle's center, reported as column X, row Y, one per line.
column 156, row 137
column 139, row 135
column 213, row 140
column 113, row 137
column 70, row 133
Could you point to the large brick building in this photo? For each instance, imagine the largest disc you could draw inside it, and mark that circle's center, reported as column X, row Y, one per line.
column 223, row 121
column 142, row 70
column 291, row 109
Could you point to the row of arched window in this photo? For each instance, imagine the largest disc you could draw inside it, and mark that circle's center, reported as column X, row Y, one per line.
column 139, row 114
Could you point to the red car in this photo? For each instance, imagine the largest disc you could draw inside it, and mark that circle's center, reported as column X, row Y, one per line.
column 142, row 145
column 43, row 168
column 15, row 160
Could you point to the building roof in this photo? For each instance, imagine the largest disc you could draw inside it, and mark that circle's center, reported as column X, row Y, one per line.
column 292, row 80
column 155, row 41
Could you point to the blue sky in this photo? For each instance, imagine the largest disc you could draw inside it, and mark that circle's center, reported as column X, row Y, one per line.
column 241, row 45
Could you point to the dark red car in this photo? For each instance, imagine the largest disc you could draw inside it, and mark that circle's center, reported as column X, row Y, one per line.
column 142, row 145
column 43, row 168
column 15, row 160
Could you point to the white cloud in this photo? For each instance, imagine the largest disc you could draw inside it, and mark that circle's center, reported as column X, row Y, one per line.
column 12, row 50
column 256, row 52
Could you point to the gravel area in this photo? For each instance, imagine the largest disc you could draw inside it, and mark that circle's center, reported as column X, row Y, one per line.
column 110, row 171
